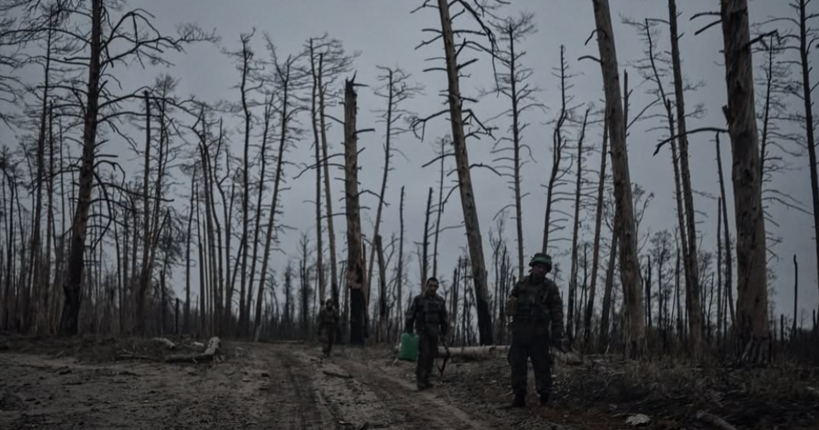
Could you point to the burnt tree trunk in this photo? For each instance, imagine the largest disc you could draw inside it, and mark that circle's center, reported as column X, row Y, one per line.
column 355, row 268
column 72, row 286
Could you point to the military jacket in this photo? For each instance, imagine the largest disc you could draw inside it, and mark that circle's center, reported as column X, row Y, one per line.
column 428, row 315
column 535, row 305
column 328, row 316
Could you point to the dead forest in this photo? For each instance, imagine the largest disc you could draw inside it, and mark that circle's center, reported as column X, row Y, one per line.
column 133, row 209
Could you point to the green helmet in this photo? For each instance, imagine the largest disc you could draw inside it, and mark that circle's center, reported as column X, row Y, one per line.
column 541, row 258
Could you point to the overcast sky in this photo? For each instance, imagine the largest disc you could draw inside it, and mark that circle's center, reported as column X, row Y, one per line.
column 386, row 34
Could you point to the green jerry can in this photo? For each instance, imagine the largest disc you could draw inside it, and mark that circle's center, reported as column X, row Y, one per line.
column 409, row 347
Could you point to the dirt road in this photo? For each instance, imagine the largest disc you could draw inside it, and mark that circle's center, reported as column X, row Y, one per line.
column 256, row 386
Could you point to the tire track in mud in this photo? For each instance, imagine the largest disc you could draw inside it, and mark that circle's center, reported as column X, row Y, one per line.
column 294, row 403
column 411, row 408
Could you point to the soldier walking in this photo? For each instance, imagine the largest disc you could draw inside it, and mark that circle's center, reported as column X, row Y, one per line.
column 328, row 318
column 427, row 315
column 534, row 305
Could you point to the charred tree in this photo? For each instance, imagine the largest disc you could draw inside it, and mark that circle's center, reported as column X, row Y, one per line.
column 355, row 267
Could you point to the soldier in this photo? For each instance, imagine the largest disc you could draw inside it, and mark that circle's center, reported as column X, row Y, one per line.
column 534, row 304
column 427, row 314
column 328, row 318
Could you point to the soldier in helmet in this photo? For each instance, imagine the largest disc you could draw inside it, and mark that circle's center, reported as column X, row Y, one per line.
column 427, row 314
column 328, row 318
column 534, row 305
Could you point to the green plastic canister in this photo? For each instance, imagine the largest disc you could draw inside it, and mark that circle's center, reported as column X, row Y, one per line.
column 409, row 347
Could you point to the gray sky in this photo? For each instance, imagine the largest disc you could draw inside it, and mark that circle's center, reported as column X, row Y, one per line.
column 386, row 34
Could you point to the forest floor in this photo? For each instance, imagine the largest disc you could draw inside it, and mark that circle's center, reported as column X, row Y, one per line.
column 110, row 383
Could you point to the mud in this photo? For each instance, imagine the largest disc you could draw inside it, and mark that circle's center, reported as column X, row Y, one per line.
column 123, row 384
column 251, row 386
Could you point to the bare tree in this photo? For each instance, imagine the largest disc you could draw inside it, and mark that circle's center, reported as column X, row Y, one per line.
column 355, row 265
column 654, row 68
column 693, row 283
column 248, row 84
column 629, row 265
column 561, row 167
column 512, row 81
column 575, row 231
column 459, row 119
column 752, row 294
column 288, row 79
column 601, row 186
column 328, row 61
column 802, row 40
column 396, row 89
column 400, row 264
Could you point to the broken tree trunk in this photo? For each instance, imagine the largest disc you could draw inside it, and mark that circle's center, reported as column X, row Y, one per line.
column 355, row 268
column 213, row 347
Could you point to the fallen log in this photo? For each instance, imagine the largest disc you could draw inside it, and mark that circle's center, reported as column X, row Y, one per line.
column 165, row 342
column 337, row 375
column 213, row 348
column 476, row 353
column 714, row 420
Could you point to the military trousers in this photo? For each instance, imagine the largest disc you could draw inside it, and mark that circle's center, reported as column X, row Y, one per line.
column 427, row 351
column 328, row 334
column 527, row 346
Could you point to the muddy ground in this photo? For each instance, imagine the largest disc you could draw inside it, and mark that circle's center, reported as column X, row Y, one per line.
column 106, row 383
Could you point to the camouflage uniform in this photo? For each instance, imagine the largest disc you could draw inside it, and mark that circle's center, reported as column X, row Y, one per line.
column 534, row 305
column 328, row 318
column 427, row 314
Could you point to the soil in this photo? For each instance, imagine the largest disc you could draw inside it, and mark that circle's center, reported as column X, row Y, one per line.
column 109, row 383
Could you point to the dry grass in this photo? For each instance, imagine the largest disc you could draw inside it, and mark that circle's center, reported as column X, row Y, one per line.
column 671, row 392
column 99, row 349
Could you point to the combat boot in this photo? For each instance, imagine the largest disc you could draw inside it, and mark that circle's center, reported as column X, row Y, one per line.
column 423, row 385
column 520, row 401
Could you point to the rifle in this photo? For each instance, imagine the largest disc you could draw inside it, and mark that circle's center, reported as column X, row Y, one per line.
column 446, row 356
